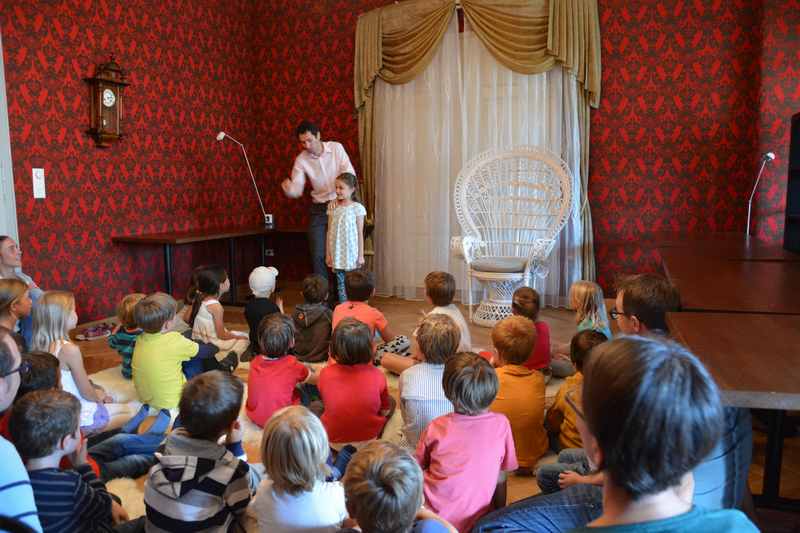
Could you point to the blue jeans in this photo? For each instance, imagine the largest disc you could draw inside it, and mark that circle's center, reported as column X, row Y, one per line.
column 569, row 459
column 317, row 238
column 194, row 366
column 720, row 480
column 126, row 455
column 340, row 289
column 570, row 508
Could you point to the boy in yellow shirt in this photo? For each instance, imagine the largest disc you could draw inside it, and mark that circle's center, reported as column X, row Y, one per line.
column 158, row 374
column 520, row 395
column 560, row 421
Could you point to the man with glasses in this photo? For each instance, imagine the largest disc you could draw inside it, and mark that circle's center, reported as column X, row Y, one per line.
column 16, row 496
column 643, row 302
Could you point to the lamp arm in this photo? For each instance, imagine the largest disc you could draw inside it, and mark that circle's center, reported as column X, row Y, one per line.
column 252, row 177
column 752, row 195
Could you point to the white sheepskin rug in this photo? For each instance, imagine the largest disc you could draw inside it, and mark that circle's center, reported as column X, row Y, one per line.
column 131, row 494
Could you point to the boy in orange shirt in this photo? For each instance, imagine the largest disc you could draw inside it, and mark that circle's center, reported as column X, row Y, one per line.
column 560, row 420
column 520, row 395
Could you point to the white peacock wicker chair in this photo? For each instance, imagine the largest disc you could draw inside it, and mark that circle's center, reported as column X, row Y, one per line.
column 511, row 205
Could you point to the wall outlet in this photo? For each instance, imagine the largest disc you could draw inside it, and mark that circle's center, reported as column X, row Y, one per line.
column 38, row 183
column 269, row 252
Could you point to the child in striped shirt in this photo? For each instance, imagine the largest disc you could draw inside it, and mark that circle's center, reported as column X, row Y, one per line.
column 123, row 338
column 198, row 484
column 421, row 394
column 44, row 426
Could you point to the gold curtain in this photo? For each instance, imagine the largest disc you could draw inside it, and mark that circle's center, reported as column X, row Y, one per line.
column 396, row 42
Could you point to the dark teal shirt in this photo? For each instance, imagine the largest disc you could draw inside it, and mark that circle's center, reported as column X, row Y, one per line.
column 698, row 519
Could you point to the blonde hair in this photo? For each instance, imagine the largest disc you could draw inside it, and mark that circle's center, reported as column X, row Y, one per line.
column 587, row 297
column 438, row 337
column 514, row 338
column 152, row 312
column 50, row 317
column 11, row 290
column 125, row 309
column 294, row 450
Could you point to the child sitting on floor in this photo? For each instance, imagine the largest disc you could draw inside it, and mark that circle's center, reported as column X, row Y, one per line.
column 159, row 354
column 383, row 489
column 260, row 306
column 560, row 421
column 274, row 375
column 207, row 315
column 520, row 395
column 123, row 338
column 464, row 454
column 198, row 484
column 312, row 321
column 420, row 387
column 44, row 426
column 440, row 288
column 53, row 318
column 590, row 307
column 360, row 287
column 354, row 393
column 295, row 495
column 15, row 305
column 526, row 302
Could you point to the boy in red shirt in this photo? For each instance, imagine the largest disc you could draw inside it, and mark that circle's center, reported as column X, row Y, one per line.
column 360, row 287
column 354, row 392
column 275, row 375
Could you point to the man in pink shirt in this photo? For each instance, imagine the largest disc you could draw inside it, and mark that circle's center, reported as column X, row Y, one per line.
column 320, row 162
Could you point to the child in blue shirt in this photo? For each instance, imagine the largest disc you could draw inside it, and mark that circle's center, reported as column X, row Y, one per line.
column 123, row 338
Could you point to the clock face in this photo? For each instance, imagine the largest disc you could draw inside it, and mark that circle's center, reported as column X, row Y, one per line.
column 109, row 98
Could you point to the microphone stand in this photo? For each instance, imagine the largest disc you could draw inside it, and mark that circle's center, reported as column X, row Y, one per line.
column 753, row 194
column 267, row 218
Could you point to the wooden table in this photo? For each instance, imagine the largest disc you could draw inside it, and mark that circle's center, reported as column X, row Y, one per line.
column 743, row 322
column 733, row 285
column 755, row 360
column 172, row 238
column 733, row 246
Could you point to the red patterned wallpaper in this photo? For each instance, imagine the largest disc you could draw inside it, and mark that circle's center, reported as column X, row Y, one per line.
column 304, row 63
column 190, row 74
column 779, row 99
column 674, row 144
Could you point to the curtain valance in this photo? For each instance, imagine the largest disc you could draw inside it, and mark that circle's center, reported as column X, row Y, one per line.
column 396, row 42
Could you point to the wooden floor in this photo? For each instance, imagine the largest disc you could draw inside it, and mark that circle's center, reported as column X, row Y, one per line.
column 403, row 316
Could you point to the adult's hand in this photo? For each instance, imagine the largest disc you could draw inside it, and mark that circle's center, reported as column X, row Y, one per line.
column 289, row 190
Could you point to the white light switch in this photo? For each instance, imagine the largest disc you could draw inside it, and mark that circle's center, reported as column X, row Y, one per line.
column 38, row 183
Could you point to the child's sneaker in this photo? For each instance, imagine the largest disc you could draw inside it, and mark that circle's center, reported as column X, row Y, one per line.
column 229, row 362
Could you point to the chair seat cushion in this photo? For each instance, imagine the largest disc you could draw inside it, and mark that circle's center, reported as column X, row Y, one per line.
column 499, row 264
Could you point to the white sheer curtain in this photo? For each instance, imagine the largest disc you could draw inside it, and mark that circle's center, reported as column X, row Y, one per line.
column 504, row 109
column 465, row 102
column 418, row 135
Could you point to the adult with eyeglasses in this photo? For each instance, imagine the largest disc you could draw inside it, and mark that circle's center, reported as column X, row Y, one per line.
column 720, row 480
column 16, row 496
column 11, row 267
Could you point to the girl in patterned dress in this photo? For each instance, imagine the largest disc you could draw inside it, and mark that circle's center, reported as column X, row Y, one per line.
column 345, row 247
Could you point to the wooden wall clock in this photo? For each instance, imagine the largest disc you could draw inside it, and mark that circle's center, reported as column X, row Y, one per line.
column 105, row 115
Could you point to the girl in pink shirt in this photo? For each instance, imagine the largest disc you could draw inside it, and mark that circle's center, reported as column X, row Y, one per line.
column 464, row 455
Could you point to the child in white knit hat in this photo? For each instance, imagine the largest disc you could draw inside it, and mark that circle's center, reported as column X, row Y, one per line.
column 262, row 285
